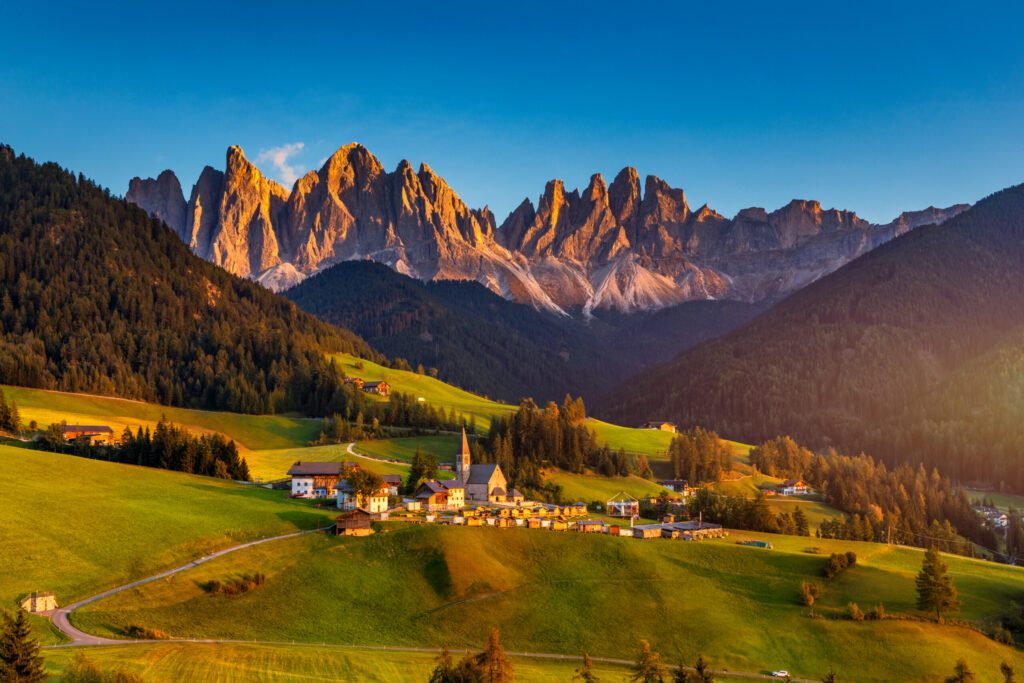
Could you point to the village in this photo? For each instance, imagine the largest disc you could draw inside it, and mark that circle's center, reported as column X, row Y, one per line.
column 479, row 495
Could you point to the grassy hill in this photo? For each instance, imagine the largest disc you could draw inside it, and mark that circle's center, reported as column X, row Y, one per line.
column 647, row 441
column 75, row 526
column 568, row 593
column 243, row 663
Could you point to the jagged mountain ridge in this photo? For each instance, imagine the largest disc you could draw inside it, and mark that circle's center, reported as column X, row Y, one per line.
column 607, row 247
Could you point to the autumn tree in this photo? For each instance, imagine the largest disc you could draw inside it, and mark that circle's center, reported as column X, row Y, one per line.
column 585, row 672
column 648, row 667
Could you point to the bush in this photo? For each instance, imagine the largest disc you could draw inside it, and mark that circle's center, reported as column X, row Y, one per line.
column 837, row 564
column 809, row 592
column 244, row 584
column 853, row 611
column 137, row 632
column 877, row 613
column 851, row 558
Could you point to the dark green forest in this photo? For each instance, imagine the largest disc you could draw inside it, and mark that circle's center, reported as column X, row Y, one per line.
column 484, row 343
column 914, row 353
column 96, row 297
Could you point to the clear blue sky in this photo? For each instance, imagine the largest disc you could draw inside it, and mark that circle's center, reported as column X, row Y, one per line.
column 876, row 107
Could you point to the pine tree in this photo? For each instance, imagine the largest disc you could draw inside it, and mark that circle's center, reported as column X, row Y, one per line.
column 495, row 662
column 648, row 667
column 585, row 672
column 19, row 651
column 961, row 673
column 935, row 589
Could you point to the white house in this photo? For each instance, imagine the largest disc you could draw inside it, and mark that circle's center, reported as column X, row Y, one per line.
column 350, row 500
column 793, row 487
column 314, row 479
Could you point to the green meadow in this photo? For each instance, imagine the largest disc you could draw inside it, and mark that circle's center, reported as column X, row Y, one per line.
column 1003, row 501
column 242, row 663
column 443, row 447
column 569, row 593
column 77, row 526
column 592, row 487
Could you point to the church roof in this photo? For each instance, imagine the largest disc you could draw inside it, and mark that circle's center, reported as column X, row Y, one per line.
column 465, row 443
column 481, row 474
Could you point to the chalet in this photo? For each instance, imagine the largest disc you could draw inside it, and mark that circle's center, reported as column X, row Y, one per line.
column 793, row 487
column 39, row 602
column 380, row 388
column 90, row 433
column 661, row 426
column 484, row 482
column 315, row 479
column 435, row 496
column 374, row 504
column 394, row 482
column 354, row 523
column 676, row 486
column 357, row 381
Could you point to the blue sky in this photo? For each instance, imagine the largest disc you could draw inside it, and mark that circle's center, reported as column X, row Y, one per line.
column 875, row 107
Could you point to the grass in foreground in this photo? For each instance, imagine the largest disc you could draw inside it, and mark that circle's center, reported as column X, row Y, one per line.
column 569, row 593
column 76, row 526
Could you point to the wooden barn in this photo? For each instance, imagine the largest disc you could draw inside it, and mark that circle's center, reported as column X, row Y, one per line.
column 355, row 523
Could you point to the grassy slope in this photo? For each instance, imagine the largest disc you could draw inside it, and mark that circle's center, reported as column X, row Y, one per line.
column 570, row 593
column 237, row 663
column 442, row 447
column 436, row 392
column 1003, row 501
column 589, row 487
column 74, row 526
column 249, row 431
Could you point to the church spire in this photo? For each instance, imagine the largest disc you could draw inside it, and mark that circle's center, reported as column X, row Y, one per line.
column 462, row 461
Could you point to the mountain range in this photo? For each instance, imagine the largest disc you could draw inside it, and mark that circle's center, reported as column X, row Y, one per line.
column 914, row 352
column 609, row 247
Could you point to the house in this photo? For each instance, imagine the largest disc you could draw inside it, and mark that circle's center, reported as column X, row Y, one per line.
column 676, row 486
column 394, row 482
column 90, row 433
column 357, row 381
column 39, row 602
column 380, row 388
column 354, row 523
column 315, row 479
column 590, row 526
column 483, row 482
column 793, row 487
column 435, row 496
column 662, row 426
column 374, row 504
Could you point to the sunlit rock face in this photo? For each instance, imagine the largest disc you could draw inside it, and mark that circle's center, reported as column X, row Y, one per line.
column 617, row 246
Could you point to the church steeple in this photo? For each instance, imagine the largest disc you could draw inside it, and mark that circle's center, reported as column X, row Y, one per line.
column 462, row 461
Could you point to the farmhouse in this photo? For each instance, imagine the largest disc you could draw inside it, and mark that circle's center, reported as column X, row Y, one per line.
column 314, row 479
column 357, row 381
column 394, row 481
column 484, row 482
column 793, row 487
column 380, row 388
column 374, row 504
column 91, row 433
column 662, row 426
column 677, row 486
column 39, row 602
column 434, row 496
column 354, row 523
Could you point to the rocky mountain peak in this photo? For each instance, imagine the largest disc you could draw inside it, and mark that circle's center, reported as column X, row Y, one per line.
column 162, row 198
column 624, row 195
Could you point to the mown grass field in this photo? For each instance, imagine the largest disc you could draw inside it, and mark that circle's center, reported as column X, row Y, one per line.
column 569, row 593
column 592, row 487
column 76, row 526
column 268, row 465
column 242, row 663
column 249, row 431
column 442, row 447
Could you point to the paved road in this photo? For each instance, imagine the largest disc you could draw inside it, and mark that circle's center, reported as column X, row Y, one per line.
column 352, row 452
column 61, row 615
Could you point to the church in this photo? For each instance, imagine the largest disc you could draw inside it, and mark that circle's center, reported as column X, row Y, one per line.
column 484, row 483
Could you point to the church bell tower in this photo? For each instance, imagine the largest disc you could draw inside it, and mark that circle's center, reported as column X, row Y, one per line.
column 462, row 459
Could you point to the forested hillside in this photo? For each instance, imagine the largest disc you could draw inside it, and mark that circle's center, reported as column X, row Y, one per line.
column 485, row 343
column 97, row 297
column 913, row 353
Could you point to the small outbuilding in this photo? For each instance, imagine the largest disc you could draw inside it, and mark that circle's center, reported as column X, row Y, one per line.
column 354, row 523
column 39, row 602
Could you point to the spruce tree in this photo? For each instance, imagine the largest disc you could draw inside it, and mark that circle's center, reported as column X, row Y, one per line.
column 648, row 667
column 19, row 651
column 935, row 589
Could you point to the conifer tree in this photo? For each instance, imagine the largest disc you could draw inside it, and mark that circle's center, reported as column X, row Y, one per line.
column 19, row 651
column 935, row 589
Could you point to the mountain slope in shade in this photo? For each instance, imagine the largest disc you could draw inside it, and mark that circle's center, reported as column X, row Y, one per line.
column 609, row 247
column 912, row 352
column 97, row 297
column 499, row 348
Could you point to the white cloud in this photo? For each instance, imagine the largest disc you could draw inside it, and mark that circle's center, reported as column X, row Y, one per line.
column 279, row 158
